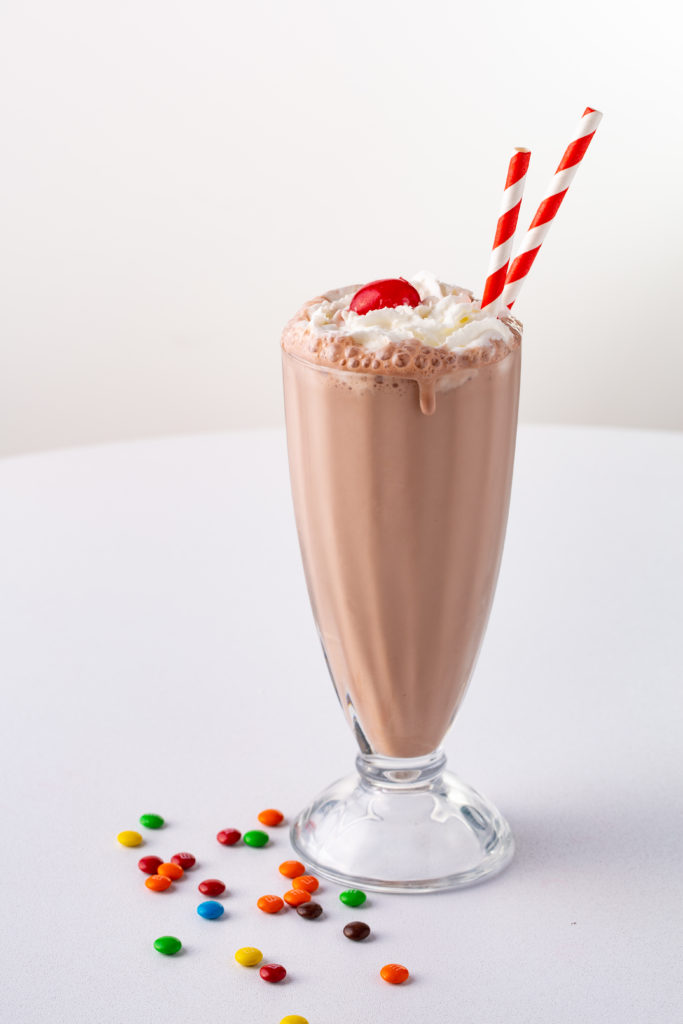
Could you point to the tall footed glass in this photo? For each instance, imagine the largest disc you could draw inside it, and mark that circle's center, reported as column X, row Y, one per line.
column 401, row 484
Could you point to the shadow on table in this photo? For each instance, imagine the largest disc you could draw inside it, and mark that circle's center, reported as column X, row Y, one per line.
column 623, row 834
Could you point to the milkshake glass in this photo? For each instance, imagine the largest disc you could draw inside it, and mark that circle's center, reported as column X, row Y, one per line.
column 401, row 434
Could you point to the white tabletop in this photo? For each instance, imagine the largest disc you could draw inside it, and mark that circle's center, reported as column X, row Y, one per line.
column 158, row 654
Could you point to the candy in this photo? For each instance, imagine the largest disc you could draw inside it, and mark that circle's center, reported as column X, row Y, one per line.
column 269, row 904
column 256, row 837
column 129, row 838
column 151, row 820
column 295, row 897
column 271, row 817
column 248, row 956
column 184, row 860
column 389, row 292
column 306, row 882
column 292, row 868
column 310, row 910
column 353, row 897
column 168, row 945
column 149, row 864
column 157, row 883
column 229, row 836
column 293, row 1018
column 395, row 974
column 356, row 930
column 211, row 910
column 211, row 887
column 273, row 972
column 170, row 870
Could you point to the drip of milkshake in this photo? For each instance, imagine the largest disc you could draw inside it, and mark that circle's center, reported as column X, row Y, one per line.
column 401, row 424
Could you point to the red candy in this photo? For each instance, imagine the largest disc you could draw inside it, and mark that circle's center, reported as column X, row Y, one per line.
column 149, row 864
column 184, row 860
column 273, row 972
column 212, row 887
column 229, row 836
column 388, row 293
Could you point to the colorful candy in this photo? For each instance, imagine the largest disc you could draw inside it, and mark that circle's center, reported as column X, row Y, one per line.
column 184, row 860
column 151, row 820
column 170, row 870
column 168, row 945
column 310, row 910
column 229, row 836
column 211, row 910
column 256, row 837
column 295, row 897
column 271, row 817
column 149, row 864
column 129, row 838
column 211, row 887
column 356, row 930
column 273, row 972
column 248, row 956
column 306, row 882
column 395, row 974
column 269, row 904
column 353, row 897
column 292, row 868
column 158, row 883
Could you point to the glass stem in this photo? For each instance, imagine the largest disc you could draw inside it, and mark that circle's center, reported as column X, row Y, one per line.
column 400, row 773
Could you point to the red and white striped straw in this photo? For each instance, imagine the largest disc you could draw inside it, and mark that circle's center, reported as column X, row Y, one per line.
column 550, row 204
column 505, row 230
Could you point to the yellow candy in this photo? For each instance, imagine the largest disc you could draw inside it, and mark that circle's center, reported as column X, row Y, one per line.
column 129, row 838
column 249, row 956
column 293, row 1018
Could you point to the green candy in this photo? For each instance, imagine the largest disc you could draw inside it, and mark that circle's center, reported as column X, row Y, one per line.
column 168, row 945
column 151, row 820
column 256, row 837
column 353, row 897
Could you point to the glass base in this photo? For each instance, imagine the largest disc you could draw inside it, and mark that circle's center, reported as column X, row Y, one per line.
column 402, row 826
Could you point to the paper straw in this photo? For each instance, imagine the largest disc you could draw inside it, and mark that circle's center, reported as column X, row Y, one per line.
column 505, row 230
column 550, row 204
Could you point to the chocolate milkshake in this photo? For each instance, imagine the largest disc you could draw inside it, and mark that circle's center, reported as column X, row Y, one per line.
column 401, row 428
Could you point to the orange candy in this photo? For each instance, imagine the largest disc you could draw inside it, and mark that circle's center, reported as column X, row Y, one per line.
column 269, row 904
column 292, row 868
column 157, row 883
column 395, row 974
column 172, row 871
column 307, row 882
column 295, row 897
column 271, row 817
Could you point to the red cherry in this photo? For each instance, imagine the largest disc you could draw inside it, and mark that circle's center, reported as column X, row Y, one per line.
column 391, row 292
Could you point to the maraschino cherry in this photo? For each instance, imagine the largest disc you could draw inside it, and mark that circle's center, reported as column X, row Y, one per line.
column 388, row 293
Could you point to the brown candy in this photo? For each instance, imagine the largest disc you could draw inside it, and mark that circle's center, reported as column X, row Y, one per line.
column 310, row 910
column 357, row 930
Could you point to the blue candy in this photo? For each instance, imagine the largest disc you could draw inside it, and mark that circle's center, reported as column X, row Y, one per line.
column 210, row 909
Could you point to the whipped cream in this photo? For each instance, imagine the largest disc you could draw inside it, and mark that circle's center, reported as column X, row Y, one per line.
column 447, row 317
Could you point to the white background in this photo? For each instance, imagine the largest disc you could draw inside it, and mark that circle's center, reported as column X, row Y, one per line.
column 178, row 177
